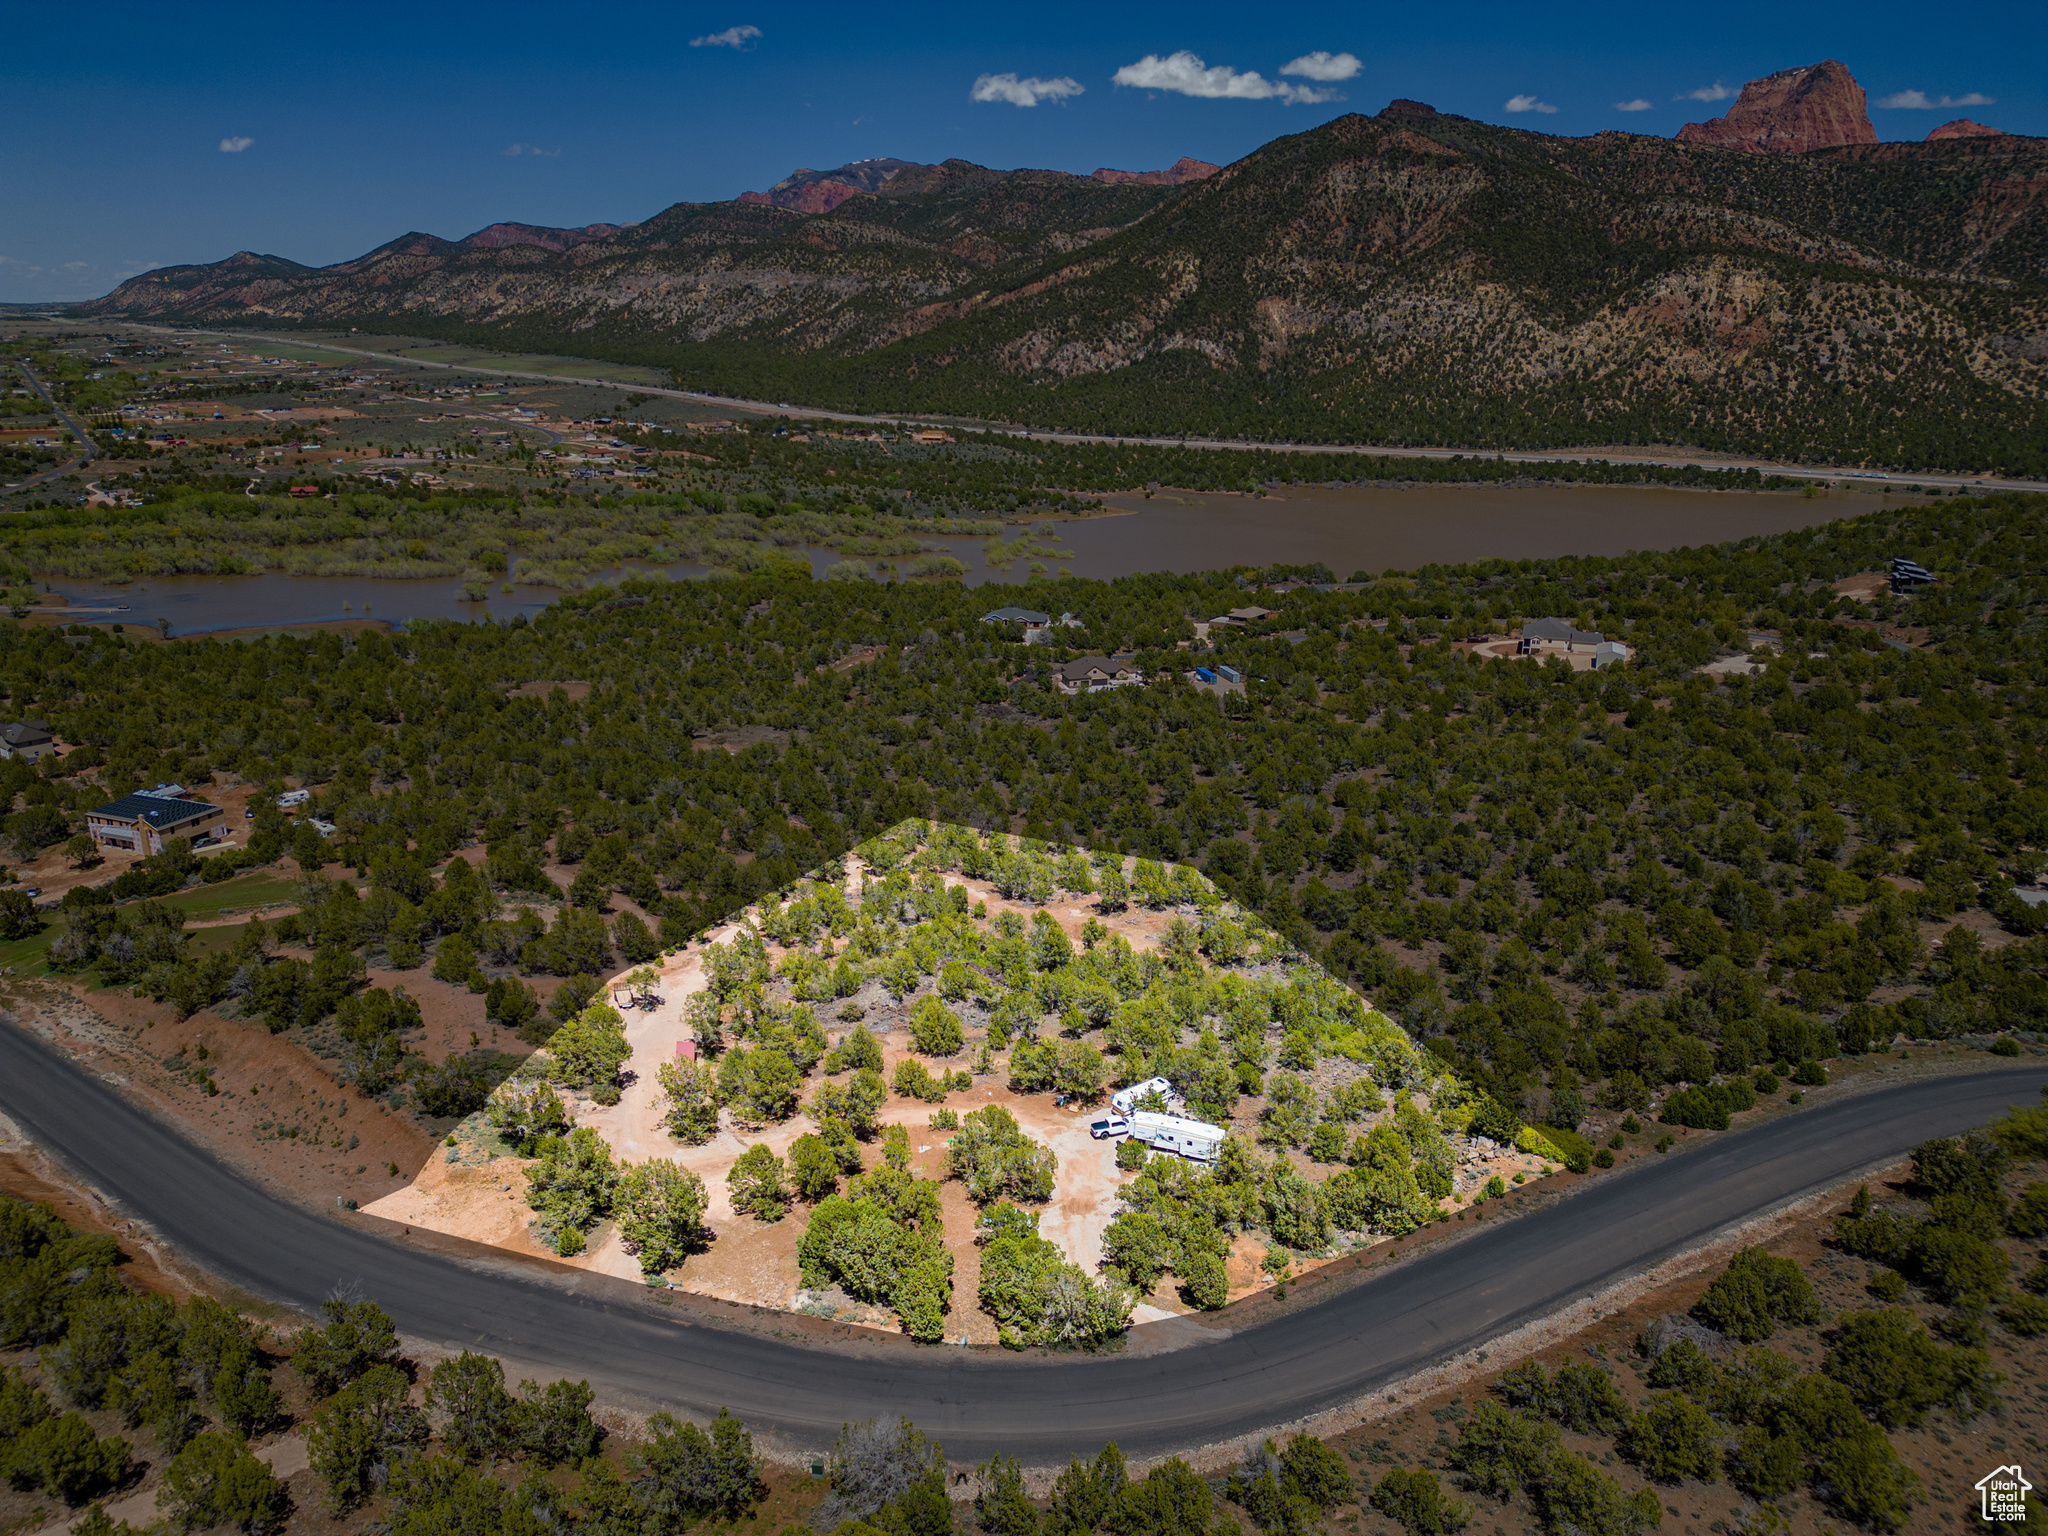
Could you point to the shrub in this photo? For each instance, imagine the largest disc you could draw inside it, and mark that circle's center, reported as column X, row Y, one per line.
column 1036, row 1296
column 1501, row 1451
column 1131, row 1154
column 554, row 1423
column 361, row 1433
column 61, row 1455
column 850, row 1110
column 358, row 1335
column 2026, row 1316
column 480, row 1419
column 1754, row 1294
column 661, row 1213
column 1203, row 1280
column 523, row 1113
column 1887, row 1285
column 1003, row 1507
column 758, row 1184
column 685, row 1473
column 935, row 1028
column 1860, row 1475
column 1958, row 1268
column 858, row 1050
column 994, row 1159
column 1415, row 1502
column 571, row 1185
column 1707, row 1107
column 1673, row 1439
column 590, row 1048
column 813, row 1168
column 760, row 1087
column 215, row 1480
column 1765, row 1465
column 1896, row 1373
column 1581, row 1397
column 1810, row 1074
column 2029, row 1217
column 913, row 1081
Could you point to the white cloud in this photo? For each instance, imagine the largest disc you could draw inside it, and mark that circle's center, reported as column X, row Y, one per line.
column 1185, row 74
column 1028, row 92
column 533, row 149
column 1638, row 105
column 1323, row 66
column 1715, row 92
column 235, row 146
column 1920, row 101
column 743, row 38
column 1526, row 104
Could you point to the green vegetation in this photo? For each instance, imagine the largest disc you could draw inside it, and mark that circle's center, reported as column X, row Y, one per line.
column 170, row 1371
column 1539, row 874
column 1539, row 292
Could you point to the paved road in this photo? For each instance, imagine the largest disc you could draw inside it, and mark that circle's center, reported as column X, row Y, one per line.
column 84, row 438
column 1513, row 456
column 1439, row 1304
column 61, row 414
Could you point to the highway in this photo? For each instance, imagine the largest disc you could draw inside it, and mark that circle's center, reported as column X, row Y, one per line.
column 1668, row 460
column 1443, row 1302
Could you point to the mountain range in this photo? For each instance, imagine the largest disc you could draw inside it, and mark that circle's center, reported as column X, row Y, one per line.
column 1772, row 282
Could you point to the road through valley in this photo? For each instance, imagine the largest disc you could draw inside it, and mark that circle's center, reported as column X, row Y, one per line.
column 1322, row 1353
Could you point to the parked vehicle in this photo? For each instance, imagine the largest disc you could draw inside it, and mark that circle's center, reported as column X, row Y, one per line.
column 1195, row 1140
column 1124, row 1100
column 1106, row 1129
column 292, row 798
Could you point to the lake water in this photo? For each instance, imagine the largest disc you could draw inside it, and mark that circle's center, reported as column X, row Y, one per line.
column 1352, row 529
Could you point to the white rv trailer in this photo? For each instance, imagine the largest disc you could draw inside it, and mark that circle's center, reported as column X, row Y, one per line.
column 1195, row 1140
column 1124, row 1100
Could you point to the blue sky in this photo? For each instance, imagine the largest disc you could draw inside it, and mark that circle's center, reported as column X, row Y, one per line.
column 140, row 135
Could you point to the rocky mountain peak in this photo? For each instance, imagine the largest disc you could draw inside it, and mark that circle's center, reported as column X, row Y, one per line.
column 1177, row 174
column 1790, row 112
column 497, row 236
column 809, row 191
column 1963, row 128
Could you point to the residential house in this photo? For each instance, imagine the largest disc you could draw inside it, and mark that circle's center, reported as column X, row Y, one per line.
column 1539, row 633
column 27, row 739
column 141, row 822
column 1092, row 674
column 1610, row 653
column 1034, row 623
column 1246, row 615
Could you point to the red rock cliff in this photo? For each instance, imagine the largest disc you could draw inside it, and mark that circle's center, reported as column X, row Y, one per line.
column 1963, row 128
column 1794, row 110
column 1182, row 170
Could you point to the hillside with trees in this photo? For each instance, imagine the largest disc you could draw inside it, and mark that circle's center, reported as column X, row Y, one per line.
column 1570, row 886
column 1411, row 278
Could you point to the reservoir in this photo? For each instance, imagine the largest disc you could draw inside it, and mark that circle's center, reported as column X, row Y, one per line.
column 1349, row 529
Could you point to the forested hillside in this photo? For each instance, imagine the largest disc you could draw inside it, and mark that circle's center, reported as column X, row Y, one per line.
column 1564, row 883
column 1408, row 278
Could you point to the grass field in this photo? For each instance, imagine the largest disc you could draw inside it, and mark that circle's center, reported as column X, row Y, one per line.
column 24, row 957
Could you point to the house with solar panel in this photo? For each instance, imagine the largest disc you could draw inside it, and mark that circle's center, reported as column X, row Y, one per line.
column 144, row 821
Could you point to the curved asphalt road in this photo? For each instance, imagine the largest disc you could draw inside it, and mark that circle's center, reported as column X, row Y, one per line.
column 1438, row 1304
